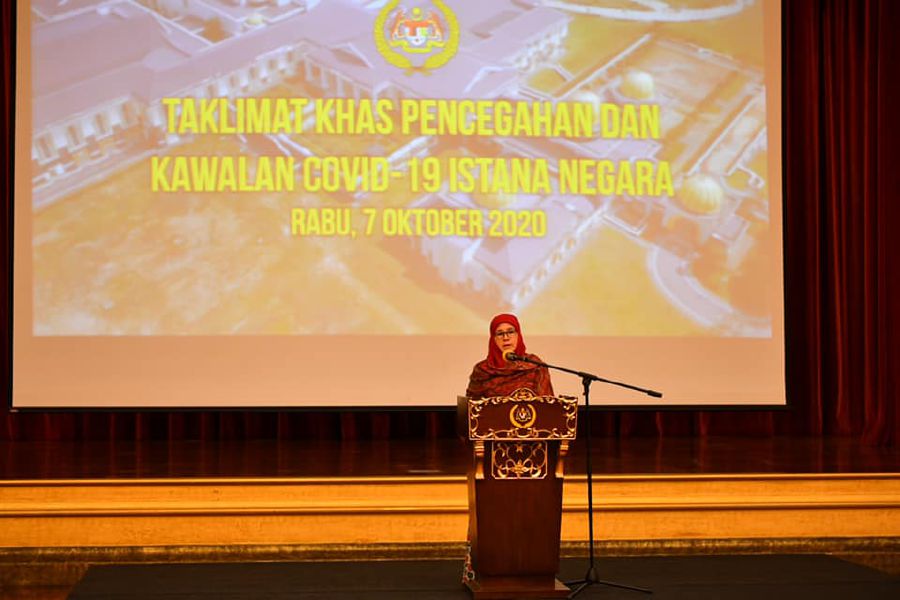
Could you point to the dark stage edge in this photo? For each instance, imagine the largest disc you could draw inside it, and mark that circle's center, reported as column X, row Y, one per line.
column 769, row 577
column 439, row 457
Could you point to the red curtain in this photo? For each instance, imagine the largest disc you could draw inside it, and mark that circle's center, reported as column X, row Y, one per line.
column 840, row 113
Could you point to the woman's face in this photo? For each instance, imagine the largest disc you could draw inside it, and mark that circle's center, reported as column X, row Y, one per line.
column 506, row 337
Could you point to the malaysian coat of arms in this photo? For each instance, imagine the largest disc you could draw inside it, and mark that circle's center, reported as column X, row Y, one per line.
column 419, row 37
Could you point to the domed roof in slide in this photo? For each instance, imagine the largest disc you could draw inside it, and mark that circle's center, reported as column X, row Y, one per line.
column 638, row 85
column 701, row 194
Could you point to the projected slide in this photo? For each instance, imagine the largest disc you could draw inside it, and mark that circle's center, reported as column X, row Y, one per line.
column 390, row 174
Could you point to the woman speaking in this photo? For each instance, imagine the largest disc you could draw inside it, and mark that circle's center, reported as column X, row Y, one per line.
column 497, row 376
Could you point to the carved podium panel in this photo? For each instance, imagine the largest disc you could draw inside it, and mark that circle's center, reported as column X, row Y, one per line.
column 519, row 443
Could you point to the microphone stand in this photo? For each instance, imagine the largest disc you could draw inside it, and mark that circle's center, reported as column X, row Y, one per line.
column 591, row 577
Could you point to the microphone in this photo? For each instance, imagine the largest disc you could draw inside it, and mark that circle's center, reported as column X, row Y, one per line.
column 511, row 356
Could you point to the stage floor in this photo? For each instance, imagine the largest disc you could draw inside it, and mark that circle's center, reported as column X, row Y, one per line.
column 66, row 507
column 669, row 578
column 441, row 457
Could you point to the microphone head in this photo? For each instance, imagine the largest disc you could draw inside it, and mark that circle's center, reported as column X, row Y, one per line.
column 511, row 356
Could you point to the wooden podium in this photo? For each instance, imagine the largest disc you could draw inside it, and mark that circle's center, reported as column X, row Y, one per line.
column 519, row 443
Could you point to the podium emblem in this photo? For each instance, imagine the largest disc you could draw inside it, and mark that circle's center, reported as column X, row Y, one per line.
column 519, row 460
column 522, row 415
column 515, row 417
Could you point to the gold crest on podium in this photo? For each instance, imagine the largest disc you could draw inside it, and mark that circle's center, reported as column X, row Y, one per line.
column 522, row 415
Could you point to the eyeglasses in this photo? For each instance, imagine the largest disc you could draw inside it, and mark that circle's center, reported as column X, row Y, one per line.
column 506, row 333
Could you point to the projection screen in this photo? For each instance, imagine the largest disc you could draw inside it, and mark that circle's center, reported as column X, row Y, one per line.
column 289, row 203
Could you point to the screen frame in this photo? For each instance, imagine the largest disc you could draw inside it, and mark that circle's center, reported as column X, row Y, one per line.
column 20, row 142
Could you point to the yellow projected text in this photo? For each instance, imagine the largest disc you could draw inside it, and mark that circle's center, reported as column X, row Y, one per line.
column 629, row 121
column 221, row 174
column 497, row 117
column 607, row 178
column 285, row 127
column 347, row 116
column 416, row 222
column 234, row 115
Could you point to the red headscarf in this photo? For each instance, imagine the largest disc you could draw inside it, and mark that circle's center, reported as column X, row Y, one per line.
column 494, row 376
column 495, row 355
